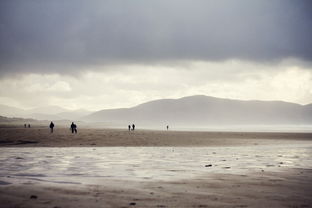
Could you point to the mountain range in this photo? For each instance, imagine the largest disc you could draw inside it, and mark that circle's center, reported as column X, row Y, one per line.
column 43, row 113
column 192, row 111
column 201, row 111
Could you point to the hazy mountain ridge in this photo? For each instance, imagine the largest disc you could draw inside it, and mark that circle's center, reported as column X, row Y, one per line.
column 4, row 119
column 192, row 111
column 203, row 110
column 19, row 122
column 43, row 113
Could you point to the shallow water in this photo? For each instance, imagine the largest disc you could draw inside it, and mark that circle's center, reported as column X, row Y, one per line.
column 87, row 165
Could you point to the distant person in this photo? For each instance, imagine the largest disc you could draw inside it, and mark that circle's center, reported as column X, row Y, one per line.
column 133, row 127
column 129, row 127
column 75, row 128
column 25, row 126
column 28, row 125
column 167, row 127
column 72, row 126
column 51, row 126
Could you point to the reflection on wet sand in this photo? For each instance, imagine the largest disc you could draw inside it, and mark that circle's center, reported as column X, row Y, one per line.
column 83, row 164
column 156, row 176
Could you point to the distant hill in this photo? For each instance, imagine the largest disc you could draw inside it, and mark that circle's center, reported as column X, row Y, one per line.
column 43, row 113
column 194, row 111
column 19, row 122
column 199, row 111
column 16, row 120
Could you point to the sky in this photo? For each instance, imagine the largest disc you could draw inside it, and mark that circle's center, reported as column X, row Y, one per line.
column 119, row 53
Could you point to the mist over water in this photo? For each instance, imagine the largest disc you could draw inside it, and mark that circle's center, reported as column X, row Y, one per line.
column 249, row 128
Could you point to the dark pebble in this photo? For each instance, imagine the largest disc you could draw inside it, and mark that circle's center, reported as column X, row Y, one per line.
column 132, row 204
column 208, row 165
column 33, row 197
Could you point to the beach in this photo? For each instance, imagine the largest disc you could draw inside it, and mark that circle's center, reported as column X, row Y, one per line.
column 146, row 168
column 155, row 104
column 62, row 137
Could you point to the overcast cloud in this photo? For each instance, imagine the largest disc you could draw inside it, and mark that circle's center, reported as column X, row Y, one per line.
column 118, row 53
column 56, row 36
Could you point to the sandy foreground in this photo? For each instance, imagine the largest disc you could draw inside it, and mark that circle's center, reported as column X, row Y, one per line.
column 117, row 168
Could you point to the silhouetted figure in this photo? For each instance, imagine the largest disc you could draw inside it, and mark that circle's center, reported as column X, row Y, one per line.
column 75, row 128
column 167, row 127
column 51, row 126
column 129, row 127
column 24, row 125
column 72, row 126
column 133, row 127
column 28, row 125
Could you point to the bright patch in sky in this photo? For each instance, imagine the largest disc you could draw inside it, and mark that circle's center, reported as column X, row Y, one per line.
column 129, row 85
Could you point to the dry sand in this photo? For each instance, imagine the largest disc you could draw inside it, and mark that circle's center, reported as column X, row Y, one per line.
column 41, row 137
column 291, row 187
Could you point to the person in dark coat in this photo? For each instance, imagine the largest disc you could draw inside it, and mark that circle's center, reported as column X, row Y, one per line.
column 72, row 126
column 75, row 128
column 51, row 126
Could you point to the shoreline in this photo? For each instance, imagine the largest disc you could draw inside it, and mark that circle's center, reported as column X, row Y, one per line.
column 86, row 137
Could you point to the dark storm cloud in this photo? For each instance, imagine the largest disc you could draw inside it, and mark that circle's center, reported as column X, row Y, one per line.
column 50, row 36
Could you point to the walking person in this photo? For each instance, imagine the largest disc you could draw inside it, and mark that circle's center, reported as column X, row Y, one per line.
column 51, row 126
column 133, row 127
column 75, row 128
column 72, row 126
column 129, row 127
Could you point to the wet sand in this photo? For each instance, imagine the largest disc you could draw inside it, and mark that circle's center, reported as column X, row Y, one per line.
column 215, row 190
column 117, row 168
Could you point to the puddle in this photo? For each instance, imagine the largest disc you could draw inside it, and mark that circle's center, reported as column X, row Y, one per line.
column 86, row 165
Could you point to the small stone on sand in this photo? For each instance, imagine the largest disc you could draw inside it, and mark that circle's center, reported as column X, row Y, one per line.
column 33, row 197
